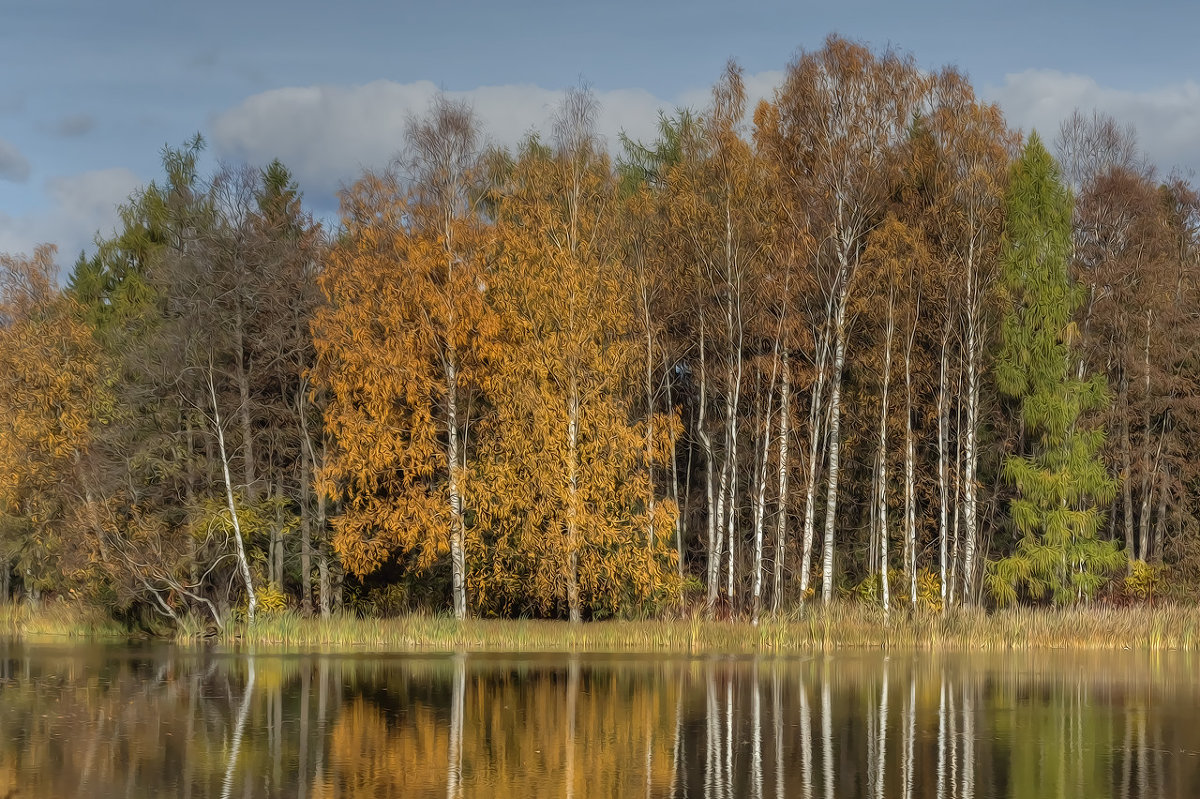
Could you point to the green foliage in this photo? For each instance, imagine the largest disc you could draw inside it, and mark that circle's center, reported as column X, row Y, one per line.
column 647, row 164
column 1060, row 479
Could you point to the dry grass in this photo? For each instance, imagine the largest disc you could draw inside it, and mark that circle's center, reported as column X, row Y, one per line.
column 843, row 625
column 56, row 619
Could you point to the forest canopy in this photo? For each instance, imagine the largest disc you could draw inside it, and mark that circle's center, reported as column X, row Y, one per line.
column 862, row 339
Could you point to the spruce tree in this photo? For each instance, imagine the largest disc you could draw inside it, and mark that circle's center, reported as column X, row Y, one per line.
column 1057, row 472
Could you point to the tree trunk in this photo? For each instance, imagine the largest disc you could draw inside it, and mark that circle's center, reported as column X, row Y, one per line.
column 970, row 460
column 760, row 499
column 882, row 497
column 251, row 598
column 573, row 409
column 324, row 588
column 956, row 527
column 785, row 411
column 1160, row 522
column 816, row 419
column 1126, row 475
column 277, row 538
column 839, row 357
column 679, row 510
column 943, row 433
column 1149, row 465
column 306, row 586
column 910, row 483
column 714, row 555
column 454, row 470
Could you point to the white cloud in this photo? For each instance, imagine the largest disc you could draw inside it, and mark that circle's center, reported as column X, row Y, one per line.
column 328, row 134
column 1167, row 118
column 80, row 206
column 14, row 166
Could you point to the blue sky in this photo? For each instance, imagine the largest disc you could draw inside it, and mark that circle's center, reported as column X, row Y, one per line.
column 91, row 91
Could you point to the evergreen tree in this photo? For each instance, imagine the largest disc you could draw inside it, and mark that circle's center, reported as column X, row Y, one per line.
column 1057, row 472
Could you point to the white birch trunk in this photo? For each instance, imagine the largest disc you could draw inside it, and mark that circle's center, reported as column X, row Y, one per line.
column 760, row 499
column 943, row 433
column 243, row 562
column 839, row 357
column 889, row 330
column 970, row 454
column 910, row 482
column 454, row 469
column 574, row 604
column 785, row 411
column 714, row 555
column 816, row 420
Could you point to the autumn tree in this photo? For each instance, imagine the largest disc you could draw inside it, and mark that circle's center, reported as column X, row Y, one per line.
column 51, row 396
column 566, row 500
column 401, row 349
column 1130, row 317
column 964, row 213
column 717, row 218
column 837, row 120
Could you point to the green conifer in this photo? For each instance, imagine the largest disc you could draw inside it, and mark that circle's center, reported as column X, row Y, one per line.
column 1059, row 477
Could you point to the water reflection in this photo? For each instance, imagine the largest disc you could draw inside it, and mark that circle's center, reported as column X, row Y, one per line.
column 129, row 722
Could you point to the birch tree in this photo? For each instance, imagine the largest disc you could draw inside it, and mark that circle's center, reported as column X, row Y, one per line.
column 567, row 495
column 400, row 349
column 841, row 111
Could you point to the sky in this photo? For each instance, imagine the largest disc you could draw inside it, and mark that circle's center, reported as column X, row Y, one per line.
column 91, row 91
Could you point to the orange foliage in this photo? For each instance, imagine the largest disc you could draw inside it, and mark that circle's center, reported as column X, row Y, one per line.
column 50, row 392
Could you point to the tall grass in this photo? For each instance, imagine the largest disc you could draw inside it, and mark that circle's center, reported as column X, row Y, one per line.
column 842, row 625
column 55, row 619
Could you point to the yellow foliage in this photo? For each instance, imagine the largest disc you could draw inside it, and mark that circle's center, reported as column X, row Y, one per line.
column 565, row 488
column 271, row 599
column 404, row 334
column 1143, row 579
column 51, row 394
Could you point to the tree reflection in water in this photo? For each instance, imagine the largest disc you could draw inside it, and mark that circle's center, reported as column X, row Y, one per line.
column 145, row 721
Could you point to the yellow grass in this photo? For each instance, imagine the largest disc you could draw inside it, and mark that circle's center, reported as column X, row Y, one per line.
column 843, row 625
column 55, row 619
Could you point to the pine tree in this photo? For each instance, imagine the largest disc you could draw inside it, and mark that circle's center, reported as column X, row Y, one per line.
column 1057, row 473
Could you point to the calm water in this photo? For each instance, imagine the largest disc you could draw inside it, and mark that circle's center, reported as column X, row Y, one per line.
column 160, row 721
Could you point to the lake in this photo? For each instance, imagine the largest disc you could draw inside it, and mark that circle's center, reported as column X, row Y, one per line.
column 152, row 720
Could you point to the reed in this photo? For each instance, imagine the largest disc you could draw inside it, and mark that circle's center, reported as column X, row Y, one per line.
column 57, row 619
column 845, row 625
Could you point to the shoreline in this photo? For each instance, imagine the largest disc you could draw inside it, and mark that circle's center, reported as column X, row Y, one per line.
column 843, row 626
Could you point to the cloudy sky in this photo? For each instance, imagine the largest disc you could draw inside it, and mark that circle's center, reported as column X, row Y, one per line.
column 91, row 91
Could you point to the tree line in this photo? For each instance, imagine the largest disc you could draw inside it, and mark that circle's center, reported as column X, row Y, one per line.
column 862, row 339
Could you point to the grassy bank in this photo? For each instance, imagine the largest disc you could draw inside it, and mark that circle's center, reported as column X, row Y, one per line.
column 55, row 620
column 841, row 626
